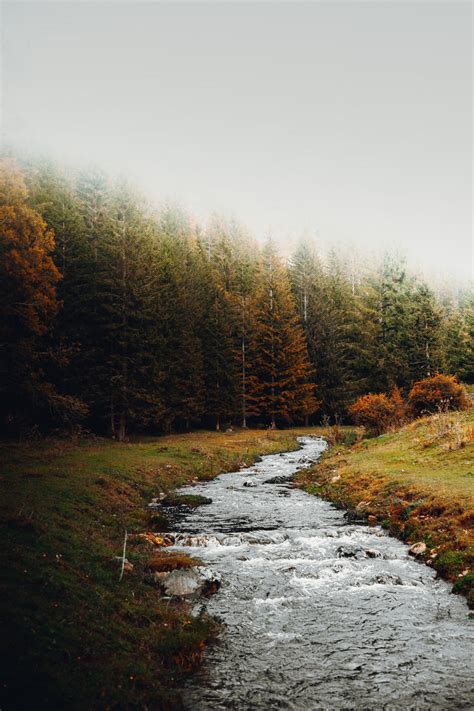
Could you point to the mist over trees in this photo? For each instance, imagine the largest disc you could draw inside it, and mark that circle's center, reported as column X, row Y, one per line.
column 118, row 319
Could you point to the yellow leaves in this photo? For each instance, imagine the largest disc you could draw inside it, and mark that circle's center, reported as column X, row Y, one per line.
column 154, row 539
column 12, row 184
column 28, row 272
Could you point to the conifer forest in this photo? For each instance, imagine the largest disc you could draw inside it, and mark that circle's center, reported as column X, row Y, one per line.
column 119, row 319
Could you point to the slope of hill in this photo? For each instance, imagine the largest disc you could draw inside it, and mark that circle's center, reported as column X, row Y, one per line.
column 418, row 483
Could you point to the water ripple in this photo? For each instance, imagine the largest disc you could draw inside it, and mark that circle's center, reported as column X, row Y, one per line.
column 318, row 613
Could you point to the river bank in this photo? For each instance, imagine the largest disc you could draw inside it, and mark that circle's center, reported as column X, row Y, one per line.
column 417, row 483
column 79, row 636
column 316, row 611
column 73, row 635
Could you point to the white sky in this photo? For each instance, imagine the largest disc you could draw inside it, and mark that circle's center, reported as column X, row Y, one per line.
column 349, row 120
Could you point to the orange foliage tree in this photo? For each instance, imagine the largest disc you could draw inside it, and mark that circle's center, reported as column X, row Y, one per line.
column 285, row 390
column 438, row 393
column 401, row 408
column 377, row 412
column 28, row 278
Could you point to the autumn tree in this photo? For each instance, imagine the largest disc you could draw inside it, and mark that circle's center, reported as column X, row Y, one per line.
column 376, row 412
column 438, row 393
column 28, row 281
column 232, row 261
column 286, row 392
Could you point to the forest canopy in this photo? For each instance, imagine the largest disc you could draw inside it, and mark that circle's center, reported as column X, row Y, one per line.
column 117, row 318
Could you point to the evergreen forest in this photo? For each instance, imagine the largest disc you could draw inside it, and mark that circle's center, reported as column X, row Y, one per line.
column 118, row 318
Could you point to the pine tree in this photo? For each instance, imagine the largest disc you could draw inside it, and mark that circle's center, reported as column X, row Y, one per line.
column 458, row 341
column 425, row 337
column 181, row 280
column 389, row 304
column 245, row 348
column 232, row 263
column 134, row 381
column 286, row 392
column 330, row 311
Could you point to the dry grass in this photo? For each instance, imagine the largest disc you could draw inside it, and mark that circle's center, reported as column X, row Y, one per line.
column 166, row 562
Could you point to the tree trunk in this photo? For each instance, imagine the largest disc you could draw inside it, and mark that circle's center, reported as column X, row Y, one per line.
column 112, row 417
column 122, row 428
column 244, row 386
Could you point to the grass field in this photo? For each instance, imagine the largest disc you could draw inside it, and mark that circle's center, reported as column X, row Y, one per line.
column 418, row 482
column 72, row 635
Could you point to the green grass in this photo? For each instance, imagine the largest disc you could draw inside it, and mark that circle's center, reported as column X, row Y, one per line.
column 418, row 482
column 420, row 454
column 72, row 635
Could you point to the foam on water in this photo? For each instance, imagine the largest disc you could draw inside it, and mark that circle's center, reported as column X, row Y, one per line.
column 318, row 613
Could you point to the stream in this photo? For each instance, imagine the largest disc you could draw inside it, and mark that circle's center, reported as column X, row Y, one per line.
column 317, row 612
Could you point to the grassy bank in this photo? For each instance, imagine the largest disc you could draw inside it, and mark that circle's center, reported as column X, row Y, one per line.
column 72, row 635
column 418, row 483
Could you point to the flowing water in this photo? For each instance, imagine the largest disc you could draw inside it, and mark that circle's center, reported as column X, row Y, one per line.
column 318, row 613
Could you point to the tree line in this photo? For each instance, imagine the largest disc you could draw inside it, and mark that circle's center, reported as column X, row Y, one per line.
column 117, row 318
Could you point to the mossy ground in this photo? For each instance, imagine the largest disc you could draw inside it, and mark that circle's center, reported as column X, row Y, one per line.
column 73, row 636
column 417, row 482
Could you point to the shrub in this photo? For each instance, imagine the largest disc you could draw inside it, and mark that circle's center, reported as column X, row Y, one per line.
column 401, row 410
column 439, row 393
column 376, row 412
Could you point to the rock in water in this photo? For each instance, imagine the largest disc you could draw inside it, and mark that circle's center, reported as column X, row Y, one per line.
column 191, row 583
column 372, row 553
column 417, row 549
column 348, row 552
column 279, row 480
column 387, row 579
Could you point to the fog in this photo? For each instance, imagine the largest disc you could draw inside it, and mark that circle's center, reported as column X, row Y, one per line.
column 351, row 122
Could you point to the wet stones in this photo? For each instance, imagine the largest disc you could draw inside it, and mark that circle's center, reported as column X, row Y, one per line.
column 355, row 516
column 348, row 552
column 279, row 480
column 191, row 583
column 372, row 553
column 417, row 549
column 153, row 539
column 387, row 579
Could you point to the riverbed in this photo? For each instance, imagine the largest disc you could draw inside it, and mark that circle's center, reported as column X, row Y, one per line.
column 318, row 612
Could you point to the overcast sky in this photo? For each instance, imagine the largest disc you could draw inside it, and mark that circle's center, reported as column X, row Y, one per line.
column 349, row 120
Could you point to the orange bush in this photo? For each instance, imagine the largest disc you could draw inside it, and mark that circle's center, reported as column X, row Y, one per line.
column 437, row 394
column 401, row 409
column 377, row 412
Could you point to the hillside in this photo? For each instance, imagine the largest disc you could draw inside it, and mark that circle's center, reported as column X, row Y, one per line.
column 417, row 482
